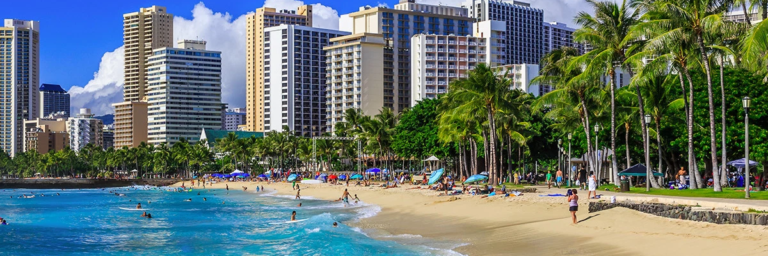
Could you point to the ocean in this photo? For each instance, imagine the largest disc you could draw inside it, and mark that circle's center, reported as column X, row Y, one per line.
column 235, row 222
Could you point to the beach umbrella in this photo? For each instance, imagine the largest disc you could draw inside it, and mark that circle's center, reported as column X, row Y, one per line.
column 321, row 176
column 476, row 178
column 227, row 176
column 343, row 177
column 244, row 175
column 356, row 177
column 435, row 176
column 638, row 170
column 333, row 177
column 236, row 172
column 740, row 163
column 292, row 177
column 373, row 170
column 263, row 176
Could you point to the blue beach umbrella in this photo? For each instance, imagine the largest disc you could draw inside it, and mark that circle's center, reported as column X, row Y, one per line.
column 292, row 177
column 476, row 178
column 263, row 176
column 356, row 177
column 343, row 177
column 436, row 176
column 227, row 176
column 373, row 170
column 322, row 176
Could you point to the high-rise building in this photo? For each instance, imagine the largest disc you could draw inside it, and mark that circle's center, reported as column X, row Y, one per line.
column 521, row 75
column 295, row 78
column 264, row 17
column 354, row 83
column 108, row 137
column 237, row 110
column 130, row 123
column 184, row 92
column 438, row 60
column 397, row 26
column 738, row 16
column 53, row 99
column 45, row 135
column 557, row 35
column 232, row 120
column 84, row 130
column 525, row 32
column 143, row 31
column 19, row 79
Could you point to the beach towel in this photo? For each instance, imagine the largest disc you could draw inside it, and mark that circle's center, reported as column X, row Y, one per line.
column 517, row 193
column 554, row 195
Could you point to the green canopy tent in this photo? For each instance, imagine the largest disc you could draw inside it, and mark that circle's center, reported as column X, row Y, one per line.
column 638, row 170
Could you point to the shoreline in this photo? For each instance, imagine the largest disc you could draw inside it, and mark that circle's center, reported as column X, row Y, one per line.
column 529, row 224
column 75, row 183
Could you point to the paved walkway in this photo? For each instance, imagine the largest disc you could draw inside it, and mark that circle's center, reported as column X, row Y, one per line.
column 718, row 203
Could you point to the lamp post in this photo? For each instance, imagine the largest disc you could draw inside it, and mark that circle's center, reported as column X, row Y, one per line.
column 746, row 101
column 559, row 152
column 647, row 168
column 570, row 175
column 597, row 155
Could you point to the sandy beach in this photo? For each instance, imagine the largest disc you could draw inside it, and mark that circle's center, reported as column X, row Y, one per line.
column 530, row 224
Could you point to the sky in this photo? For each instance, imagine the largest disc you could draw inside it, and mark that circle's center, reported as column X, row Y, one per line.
column 81, row 40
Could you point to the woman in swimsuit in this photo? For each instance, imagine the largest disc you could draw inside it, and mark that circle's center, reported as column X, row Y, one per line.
column 573, row 204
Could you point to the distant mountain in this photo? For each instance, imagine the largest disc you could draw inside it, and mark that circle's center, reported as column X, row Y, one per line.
column 107, row 119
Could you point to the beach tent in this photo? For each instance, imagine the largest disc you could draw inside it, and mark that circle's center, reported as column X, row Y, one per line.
column 236, row 172
column 476, row 178
column 333, row 177
column 262, row 176
column 638, row 170
column 373, row 170
column 435, row 176
column 739, row 163
column 356, row 177
column 292, row 177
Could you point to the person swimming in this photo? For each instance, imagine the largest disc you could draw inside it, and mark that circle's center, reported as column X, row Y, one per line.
column 188, row 200
column 205, row 199
column 293, row 216
column 299, row 205
column 335, row 225
column 4, row 223
column 138, row 206
column 144, row 214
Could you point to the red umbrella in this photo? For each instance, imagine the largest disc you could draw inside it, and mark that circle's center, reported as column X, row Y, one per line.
column 333, row 177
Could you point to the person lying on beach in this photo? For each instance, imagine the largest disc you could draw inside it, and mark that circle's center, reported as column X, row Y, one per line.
column 337, row 200
column 293, row 216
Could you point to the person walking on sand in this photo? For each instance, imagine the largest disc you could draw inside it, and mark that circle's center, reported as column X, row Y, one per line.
column 573, row 204
column 558, row 178
column 592, row 184
column 549, row 180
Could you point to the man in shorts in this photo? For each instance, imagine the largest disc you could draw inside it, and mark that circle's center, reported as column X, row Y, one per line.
column 558, row 178
column 549, row 180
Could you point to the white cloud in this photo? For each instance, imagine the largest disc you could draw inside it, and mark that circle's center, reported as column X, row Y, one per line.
column 224, row 34
column 323, row 16
column 105, row 88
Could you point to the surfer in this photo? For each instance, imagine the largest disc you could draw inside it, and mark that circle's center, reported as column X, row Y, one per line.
column 298, row 194
column 293, row 216
column 138, row 206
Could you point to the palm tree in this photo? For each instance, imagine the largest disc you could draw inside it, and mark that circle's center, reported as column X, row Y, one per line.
column 608, row 31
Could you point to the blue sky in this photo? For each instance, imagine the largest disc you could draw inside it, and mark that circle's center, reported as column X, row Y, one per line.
column 78, row 36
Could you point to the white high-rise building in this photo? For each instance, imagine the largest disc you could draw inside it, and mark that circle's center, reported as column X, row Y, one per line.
column 557, row 35
column 521, row 76
column 183, row 92
column 524, row 44
column 19, row 81
column 84, row 130
column 295, row 78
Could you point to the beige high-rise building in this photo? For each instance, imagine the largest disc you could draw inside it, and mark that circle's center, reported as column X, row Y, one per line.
column 264, row 17
column 355, row 76
column 130, row 123
column 19, row 81
column 147, row 29
column 45, row 135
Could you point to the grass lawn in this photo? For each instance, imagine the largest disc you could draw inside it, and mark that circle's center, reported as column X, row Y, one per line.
column 732, row 193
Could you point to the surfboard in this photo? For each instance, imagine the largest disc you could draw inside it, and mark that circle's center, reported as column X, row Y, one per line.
column 133, row 209
column 288, row 222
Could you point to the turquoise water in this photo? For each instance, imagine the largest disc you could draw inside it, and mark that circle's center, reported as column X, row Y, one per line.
column 91, row 221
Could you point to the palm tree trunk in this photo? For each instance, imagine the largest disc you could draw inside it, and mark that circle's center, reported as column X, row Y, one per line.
column 591, row 160
column 614, row 164
column 641, row 107
column 473, row 149
column 723, row 158
column 747, row 14
column 693, row 174
column 626, row 143
column 658, row 143
column 712, row 134
column 492, row 145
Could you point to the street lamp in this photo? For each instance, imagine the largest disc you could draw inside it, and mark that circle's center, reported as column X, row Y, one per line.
column 559, row 152
column 746, row 101
column 647, row 168
column 570, row 175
